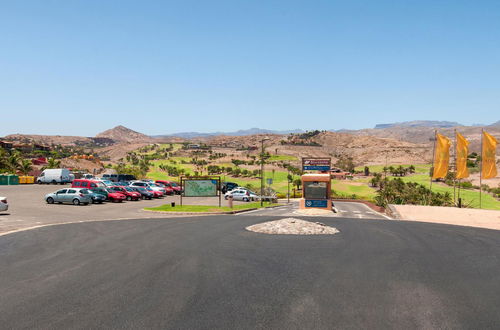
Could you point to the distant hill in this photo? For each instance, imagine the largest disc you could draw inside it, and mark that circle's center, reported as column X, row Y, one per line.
column 497, row 124
column 419, row 123
column 251, row 131
column 123, row 134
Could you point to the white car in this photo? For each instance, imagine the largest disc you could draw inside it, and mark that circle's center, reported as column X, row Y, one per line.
column 4, row 206
column 152, row 185
column 240, row 195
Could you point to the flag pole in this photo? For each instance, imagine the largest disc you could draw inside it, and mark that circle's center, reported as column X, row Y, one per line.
column 455, row 169
column 433, row 158
column 481, row 169
column 432, row 165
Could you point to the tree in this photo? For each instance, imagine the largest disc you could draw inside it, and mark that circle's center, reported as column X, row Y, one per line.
column 52, row 163
column 25, row 166
column 297, row 183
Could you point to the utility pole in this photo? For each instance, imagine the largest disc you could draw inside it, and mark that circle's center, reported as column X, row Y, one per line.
column 262, row 172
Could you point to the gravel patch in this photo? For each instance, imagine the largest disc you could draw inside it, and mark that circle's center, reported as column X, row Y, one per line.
column 292, row 226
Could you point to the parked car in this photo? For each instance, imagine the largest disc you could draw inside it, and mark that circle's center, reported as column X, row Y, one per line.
column 228, row 186
column 129, row 193
column 144, row 193
column 110, row 195
column 170, row 187
column 239, row 195
column 139, row 184
column 75, row 196
column 166, row 185
column 122, row 184
column 125, row 177
column 97, row 198
column 55, row 176
column 87, row 183
column 110, row 177
column 156, row 194
column 150, row 185
column 87, row 176
column 177, row 187
column 4, row 205
column 253, row 196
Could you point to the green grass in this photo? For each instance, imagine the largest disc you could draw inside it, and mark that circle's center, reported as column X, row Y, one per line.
column 277, row 158
column 348, row 188
column 208, row 208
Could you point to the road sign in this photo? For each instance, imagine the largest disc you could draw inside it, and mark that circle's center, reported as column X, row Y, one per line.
column 316, row 203
column 316, row 164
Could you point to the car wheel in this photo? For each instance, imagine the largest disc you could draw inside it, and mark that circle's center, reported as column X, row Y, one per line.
column 54, row 182
column 39, row 182
column 246, row 199
column 225, row 197
column 129, row 198
column 85, row 203
column 50, row 200
column 120, row 200
column 76, row 201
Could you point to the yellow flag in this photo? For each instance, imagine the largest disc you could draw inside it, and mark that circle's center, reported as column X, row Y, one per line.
column 441, row 156
column 489, row 168
column 462, row 153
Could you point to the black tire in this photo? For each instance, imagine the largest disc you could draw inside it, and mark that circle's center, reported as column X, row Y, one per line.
column 120, row 200
column 54, row 182
column 129, row 198
column 39, row 182
column 85, row 203
column 76, row 201
column 245, row 199
column 50, row 200
column 100, row 202
column 225, row 197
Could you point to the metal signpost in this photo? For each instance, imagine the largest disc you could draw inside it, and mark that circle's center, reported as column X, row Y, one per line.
column 316, row 164
column 201, row 186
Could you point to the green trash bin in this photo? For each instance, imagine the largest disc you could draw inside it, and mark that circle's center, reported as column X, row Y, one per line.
column 4, row 180
column 13, row 180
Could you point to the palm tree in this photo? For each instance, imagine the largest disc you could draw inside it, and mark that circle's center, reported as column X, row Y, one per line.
column 25, row 166
column 52, row 163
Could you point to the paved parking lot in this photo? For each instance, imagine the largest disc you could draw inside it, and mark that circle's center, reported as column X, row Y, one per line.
column 27, row 208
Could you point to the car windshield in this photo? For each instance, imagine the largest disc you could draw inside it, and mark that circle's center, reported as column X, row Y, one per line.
column 173, row 184
column 129, row 189
column 109, row 190
column 85, row 191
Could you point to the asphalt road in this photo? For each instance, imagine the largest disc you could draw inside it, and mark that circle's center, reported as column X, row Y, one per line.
column 210, row 273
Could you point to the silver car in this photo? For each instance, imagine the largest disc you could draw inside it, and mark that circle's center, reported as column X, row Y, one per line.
column 75, row 196
column 4, row 206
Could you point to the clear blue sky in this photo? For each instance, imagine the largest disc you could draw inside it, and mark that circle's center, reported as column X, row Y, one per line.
column 80, row 67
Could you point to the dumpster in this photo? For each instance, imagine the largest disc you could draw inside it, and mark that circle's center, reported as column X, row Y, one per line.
column 4, row 180
column 30, row 179
column 22, row 179
column 13, row 179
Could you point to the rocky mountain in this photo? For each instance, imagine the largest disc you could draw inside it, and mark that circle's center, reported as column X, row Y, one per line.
column 419, row 123
column 123, row 134
column 246, row 132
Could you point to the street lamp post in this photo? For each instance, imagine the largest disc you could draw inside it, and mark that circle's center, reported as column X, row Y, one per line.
column 262, row 172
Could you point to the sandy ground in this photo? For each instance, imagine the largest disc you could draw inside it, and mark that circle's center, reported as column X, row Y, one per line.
column 492, row 183
column 489, row 219
column 292, row 226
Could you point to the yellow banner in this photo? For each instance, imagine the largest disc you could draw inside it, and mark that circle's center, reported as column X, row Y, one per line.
column 441, row 156
column 462, row 153
column 489, row 168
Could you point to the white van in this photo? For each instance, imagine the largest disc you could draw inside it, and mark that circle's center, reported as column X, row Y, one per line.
column 55, row 175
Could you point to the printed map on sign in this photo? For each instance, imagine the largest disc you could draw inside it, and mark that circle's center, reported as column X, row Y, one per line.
column 200, row 188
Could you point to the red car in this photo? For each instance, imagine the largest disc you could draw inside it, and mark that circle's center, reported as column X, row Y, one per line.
column 157, row 194
column 129, row 193
column 174, row 186
column 169, row 190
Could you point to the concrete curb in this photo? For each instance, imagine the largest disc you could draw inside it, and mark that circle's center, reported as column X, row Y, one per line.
column 393, row 213
column 213, row 213
column 367, row 203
